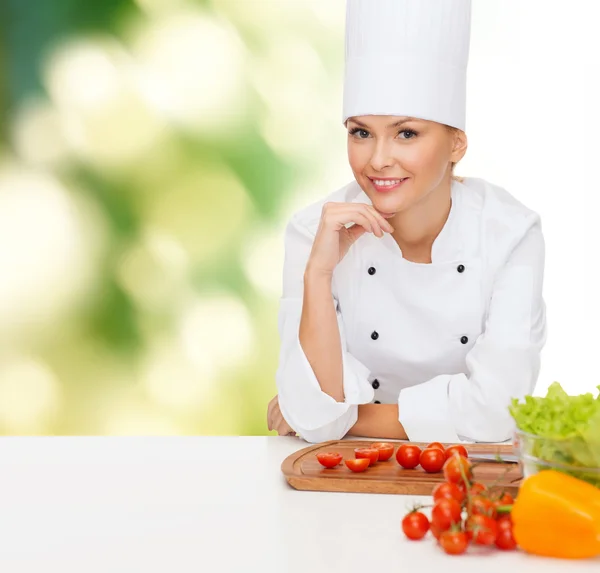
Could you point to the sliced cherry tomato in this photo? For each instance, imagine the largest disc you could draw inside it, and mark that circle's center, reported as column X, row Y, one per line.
column 436, row 445
column 359, row 465
column 432, row 460
column 446, row 512
column 386, row 450
column 329, row 459
column 408, row 456
column 448, row 491
column 415, row 525
column 481, row 529
column 505, row 538
column 454, row 542
column 369, row 453
column 457, row 469
column 482, row 506
column 477, row 489
column 460, row 450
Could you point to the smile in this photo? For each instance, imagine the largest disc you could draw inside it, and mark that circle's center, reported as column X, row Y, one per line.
column 384, row 185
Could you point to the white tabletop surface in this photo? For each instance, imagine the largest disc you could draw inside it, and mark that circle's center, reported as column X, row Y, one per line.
column 204, row 504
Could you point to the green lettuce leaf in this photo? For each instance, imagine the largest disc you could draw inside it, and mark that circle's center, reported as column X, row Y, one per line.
column 567, row 428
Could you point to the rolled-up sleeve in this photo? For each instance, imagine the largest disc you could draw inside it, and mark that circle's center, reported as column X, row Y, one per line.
column 314, row 415
column 503, row 363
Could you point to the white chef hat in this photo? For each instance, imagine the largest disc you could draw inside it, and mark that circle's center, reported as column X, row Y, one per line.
column 408, row 58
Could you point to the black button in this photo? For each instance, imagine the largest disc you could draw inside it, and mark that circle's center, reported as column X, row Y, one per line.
column 375, row 384
column 464, row 340
column 460, row 268
column 377, row 402
column 374, row 335
column 372, row 270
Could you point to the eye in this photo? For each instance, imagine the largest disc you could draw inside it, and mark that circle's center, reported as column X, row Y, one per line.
column 356, row 130
column 413, row 133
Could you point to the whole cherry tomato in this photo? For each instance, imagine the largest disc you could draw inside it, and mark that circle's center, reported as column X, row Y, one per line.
column 437, row 445
column 482, row 529
column 454, row 542
column 505, row 538
column 505, row 499
column 457, row 469
column 436, row 531
column 445, row 512
column 477, row 488
column 449, row 491
column 386, row 450
column 482, row 506
column 369, row 453
column 459, row 449
column 415, row 525
column 432, row 460
column 408, row 456
column 329, row 459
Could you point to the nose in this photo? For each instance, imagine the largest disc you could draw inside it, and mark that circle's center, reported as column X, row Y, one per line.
column 381, row 157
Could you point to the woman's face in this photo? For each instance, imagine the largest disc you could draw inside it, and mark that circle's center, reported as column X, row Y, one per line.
column 393, row 147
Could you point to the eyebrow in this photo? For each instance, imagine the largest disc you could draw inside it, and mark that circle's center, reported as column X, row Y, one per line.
column 395, row 124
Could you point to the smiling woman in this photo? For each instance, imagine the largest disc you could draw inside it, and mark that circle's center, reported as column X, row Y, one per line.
column 412, row 299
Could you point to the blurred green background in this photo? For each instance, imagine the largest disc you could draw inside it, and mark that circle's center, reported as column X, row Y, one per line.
column 151, row 152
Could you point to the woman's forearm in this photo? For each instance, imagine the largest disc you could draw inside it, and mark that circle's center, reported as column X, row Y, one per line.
column 378, row 421
column 319, row 334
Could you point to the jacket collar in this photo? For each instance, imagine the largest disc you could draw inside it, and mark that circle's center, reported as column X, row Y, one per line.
column 456, row 234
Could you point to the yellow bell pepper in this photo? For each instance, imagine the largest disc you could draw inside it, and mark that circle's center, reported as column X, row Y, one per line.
column 557, row 515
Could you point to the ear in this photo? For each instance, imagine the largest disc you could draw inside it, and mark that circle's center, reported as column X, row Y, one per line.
column 459, row 147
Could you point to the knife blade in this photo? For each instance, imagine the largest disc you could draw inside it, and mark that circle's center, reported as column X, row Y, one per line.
column 504, row 458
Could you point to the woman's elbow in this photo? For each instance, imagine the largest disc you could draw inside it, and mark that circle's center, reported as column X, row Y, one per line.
column 335, row 430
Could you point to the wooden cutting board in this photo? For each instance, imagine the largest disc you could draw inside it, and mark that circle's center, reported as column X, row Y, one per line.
column 304, row 472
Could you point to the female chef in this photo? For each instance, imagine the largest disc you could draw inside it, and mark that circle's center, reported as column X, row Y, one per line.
column 412, row 299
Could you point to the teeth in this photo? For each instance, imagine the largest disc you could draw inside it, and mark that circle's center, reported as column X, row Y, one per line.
column 387, row 183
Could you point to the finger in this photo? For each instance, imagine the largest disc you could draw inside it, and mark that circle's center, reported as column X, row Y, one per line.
column 277, row 421
column 355, row 232
column 284, row 429
column 274, row 402
column 375, row 223
column 386, row 225
column 338, row 215
column 363, row 219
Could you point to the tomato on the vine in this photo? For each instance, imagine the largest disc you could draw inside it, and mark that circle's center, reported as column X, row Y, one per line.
column 459, row 449
column 329, row 459
column 482, row 506
column 408, row 456
column 457, row 469
column 505, row 499
column 505, row 538
column 482, row 529
column 446, row 512
column 477, row 488
column 415, row 525
column 386, row 450
column 432, row 460
column 454, row 542
column 448, row 490
column 435, row 531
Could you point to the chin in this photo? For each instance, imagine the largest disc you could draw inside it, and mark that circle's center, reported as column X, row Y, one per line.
column 390, row 204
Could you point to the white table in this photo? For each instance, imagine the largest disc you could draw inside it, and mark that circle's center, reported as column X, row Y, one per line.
column 203, row 504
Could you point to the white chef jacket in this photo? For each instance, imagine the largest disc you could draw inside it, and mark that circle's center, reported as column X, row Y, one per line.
column 451, row 341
